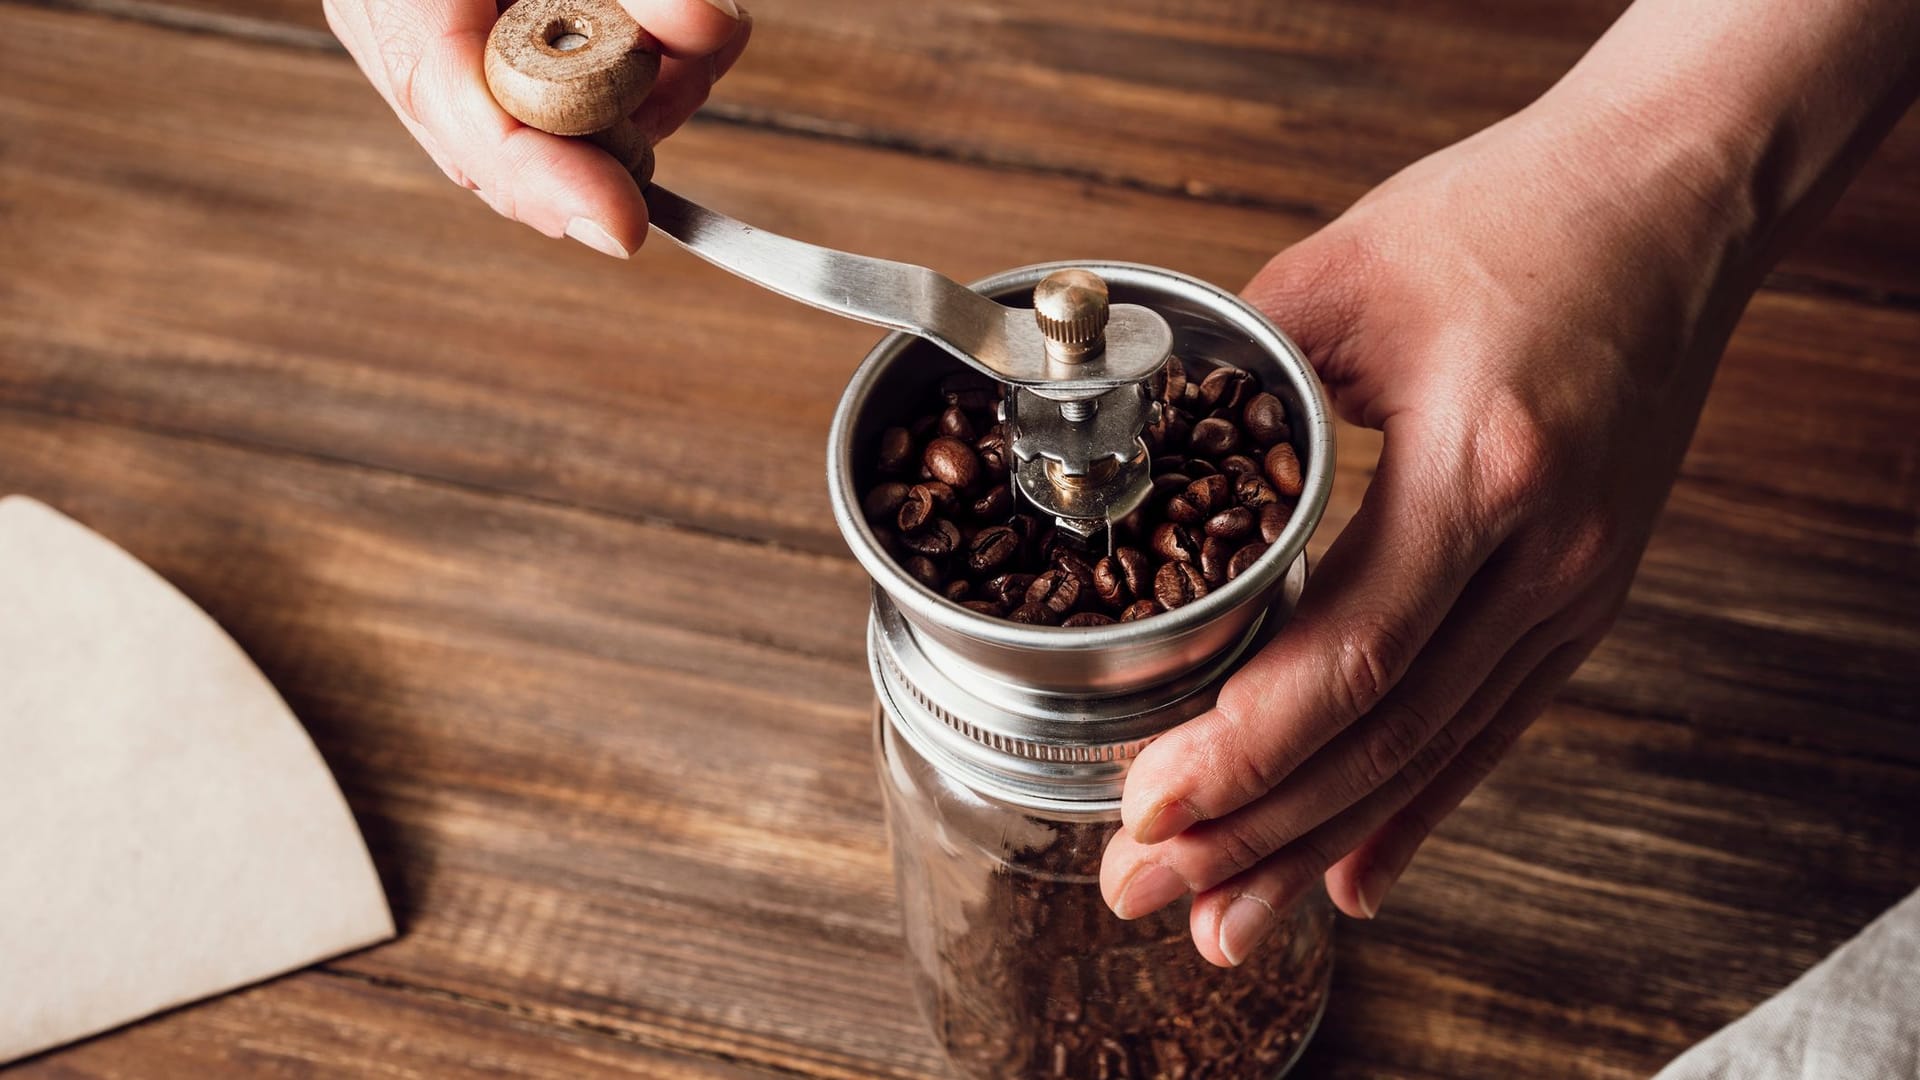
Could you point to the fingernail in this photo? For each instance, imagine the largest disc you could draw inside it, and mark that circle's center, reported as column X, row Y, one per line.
column 1371, row 890
column 727, row 7
column 1172, row 818
column 590, row 233
column 1151, row 888
column 1246, row 924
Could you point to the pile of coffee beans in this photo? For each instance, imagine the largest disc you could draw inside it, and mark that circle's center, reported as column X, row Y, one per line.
column 1225, row 481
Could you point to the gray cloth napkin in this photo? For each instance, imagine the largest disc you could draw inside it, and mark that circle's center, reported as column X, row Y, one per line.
column 1854, row 1016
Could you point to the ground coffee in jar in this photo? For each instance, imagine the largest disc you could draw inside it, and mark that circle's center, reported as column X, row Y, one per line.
column 1023, row 971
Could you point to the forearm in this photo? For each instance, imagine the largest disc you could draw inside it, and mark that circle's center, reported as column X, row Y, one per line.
column 1761, row 111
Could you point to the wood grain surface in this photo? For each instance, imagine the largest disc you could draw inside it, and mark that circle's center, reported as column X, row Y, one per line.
column 506, row 521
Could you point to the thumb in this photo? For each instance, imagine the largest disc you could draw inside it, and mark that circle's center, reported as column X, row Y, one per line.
column 1310, row 292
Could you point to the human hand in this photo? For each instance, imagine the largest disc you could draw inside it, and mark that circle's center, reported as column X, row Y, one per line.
column 1531, row 318
column 425, row 57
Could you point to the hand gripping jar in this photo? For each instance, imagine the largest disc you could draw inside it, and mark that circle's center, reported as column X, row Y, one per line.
column 1002, row 749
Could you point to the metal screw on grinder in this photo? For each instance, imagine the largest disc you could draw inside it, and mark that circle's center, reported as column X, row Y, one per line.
column 1081, row 459
column 1071, row 308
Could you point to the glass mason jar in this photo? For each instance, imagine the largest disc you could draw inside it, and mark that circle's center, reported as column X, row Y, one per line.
column 1003, row 749
column 1022, row 971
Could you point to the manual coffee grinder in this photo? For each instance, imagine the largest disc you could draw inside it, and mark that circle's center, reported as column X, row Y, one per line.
column 1002, row 747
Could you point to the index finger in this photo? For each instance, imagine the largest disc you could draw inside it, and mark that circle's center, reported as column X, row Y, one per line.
column 433, row 53
column 686, row 28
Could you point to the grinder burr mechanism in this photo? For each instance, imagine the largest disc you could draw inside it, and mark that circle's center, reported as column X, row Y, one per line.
column 1076, row 366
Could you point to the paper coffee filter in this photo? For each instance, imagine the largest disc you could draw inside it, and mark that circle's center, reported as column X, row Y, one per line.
column 170, row 831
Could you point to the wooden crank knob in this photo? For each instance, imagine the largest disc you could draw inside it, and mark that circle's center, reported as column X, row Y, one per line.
column 575, row 67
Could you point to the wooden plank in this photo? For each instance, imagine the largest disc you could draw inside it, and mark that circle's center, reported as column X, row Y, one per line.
column 1301, row 106
column 1785, row 571
column 320, row 1024
column 297, row 277
column 1628, row 887
column 588, row 814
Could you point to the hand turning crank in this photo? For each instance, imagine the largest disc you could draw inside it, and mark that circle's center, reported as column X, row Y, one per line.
column 1076, row 363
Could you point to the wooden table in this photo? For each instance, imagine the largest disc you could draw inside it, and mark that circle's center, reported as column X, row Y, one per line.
column 589, row 667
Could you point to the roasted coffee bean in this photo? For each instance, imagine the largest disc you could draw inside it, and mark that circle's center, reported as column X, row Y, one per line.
column 1166, row 463
column 1171, row 541
column 1169, row 431
column 1109, row 584
column 1074, row 563
column 1265, row 419
column 917, row 509
column 1170, row 382
column 1253, row 492
column 924, row 502
column 1232, row 523
column 1122, row 577
column 1199, row 467
column 985, row 607
column 1244, row 558
column 923, row 570
column 1283, row 470
column 1178, row 584
column 958, row 590
column 993, row 449
column 896, row 452
column 1135, row 569
column 882, row 504
column 925, row 427
column 954, row 424
column 1210, row 493
column 995, row 505
column 1167, row 485
column 1181, row 510
column 1057, row 589
column 952, row 462
column 1214, row 437
column 945, row 499
column 1225, row 388
column 1239, row 465
column 938, row 539
column 1140, row 609
column 1088, row 618
column 1010, row 589
column 992, row 549
column 1273, row 521
column 1193, row 503
column 1035, row 615
column 890, row 542
column 1215, row 553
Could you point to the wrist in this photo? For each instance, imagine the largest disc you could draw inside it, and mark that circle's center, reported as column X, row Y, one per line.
column 1749, row 117
column 1667, row 168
